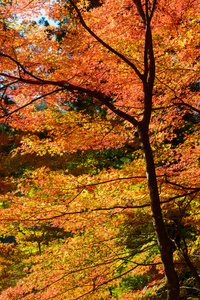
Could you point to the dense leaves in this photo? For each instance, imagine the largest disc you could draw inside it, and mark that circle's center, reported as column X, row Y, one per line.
column 93, row 210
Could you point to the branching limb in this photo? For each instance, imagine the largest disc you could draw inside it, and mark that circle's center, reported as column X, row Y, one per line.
column 97, row 38
column 31, row 102
column 184, row 255
column 21, row 66
column 73, row 88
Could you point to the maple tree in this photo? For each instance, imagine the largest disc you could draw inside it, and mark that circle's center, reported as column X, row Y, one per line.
column 114, row 75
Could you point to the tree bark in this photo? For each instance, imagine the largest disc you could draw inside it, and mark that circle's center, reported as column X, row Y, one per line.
column 164, row 242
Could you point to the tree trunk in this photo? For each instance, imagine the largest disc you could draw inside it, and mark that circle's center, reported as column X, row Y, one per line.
column 164, row 243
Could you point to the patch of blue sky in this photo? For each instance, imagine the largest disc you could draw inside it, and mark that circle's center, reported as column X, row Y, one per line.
column 43, row 14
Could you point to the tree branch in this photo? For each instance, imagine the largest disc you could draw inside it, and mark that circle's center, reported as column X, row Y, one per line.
column 103, row 43
column 140, row 10
column 31, row 102
column 20, row 65
column 73, row 88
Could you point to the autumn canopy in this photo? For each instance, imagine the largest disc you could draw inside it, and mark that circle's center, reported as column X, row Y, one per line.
column 99, row 149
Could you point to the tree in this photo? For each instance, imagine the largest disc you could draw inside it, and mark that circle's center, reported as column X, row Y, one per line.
column 131, row 58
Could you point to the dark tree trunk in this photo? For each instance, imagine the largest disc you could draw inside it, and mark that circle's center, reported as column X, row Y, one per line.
column 164, row 243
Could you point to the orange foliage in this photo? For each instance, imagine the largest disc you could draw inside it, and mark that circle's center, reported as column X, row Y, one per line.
column 91, row 83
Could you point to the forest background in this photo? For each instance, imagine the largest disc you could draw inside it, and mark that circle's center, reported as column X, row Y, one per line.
column 99, row 140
